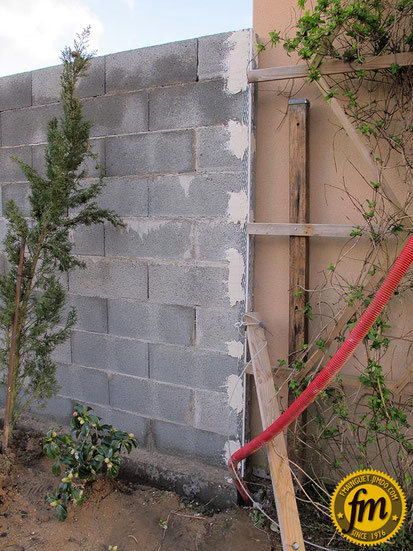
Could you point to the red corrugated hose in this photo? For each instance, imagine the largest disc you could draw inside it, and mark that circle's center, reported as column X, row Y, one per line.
column 358, row 333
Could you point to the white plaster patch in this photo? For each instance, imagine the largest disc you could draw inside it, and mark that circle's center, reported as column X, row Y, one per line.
column 235, row 393
column 238, row 138
column 237, row 211
column 231, row 446
column 185, row 182
column 143, row 227
column 235, row 349
column 239, row 43
column 236, row 269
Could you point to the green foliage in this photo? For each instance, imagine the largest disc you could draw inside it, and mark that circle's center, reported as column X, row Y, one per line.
column 92, row 449
column 60, row 202
column 257, row 518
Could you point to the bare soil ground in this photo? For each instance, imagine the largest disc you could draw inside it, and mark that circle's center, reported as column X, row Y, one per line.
column 115, row 513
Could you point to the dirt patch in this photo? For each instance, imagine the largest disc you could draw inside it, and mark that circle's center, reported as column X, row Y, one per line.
column 135, row 518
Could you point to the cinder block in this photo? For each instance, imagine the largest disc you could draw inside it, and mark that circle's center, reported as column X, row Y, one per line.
column 191, row 367
column 216, row 327
column 110, row 353
column 27, row 126
column 188, row 441
column 63, row 353
column 160, row 152
column 15, row 91
column 3, row 232
column 19, row 193
column 9, row 169
column 214, row 238
column 192, row 195
column 130, row 393
column 58, row 409
column 213, row 413
column 217, row 151
column 93, row 167
column 149, row 238
column 154, row 66
column 89, row 240
column 194, row 104
column 46, row 82
column 189, row 285
column 214, row 53
column 117, row 114
column 127, row 421
column 92, row 312
column 126, row 196
column 83, row 383
column 114, row 277
column 151, row 322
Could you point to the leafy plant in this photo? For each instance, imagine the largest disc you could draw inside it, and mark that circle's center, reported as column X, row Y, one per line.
column 91, row 450
column 38, row 249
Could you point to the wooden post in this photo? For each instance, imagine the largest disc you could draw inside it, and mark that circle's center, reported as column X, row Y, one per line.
column 284, row 496
column 299, row 245
column 12, row 375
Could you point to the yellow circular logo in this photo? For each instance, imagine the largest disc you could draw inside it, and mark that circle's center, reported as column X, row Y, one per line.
column 368, row 507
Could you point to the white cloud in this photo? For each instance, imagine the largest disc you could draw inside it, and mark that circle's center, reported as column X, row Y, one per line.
column 130, row 3
column 32, row 33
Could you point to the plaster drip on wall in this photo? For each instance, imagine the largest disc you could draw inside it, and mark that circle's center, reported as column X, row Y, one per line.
column 236, row 69
column 235, row 393
column 143, row 227
column 236, row 268
column 235, row 349
column 237, row 211
column 238, row 138
column 185, row 182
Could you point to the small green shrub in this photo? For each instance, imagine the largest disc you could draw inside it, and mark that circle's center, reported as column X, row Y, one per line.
column 92, row 449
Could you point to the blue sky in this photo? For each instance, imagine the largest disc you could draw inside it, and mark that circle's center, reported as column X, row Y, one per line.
column 32, row 33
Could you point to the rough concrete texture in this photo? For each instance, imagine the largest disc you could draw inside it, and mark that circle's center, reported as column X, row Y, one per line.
column 155, row 349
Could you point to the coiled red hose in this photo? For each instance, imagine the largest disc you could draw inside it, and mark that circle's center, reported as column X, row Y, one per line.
column 358, row 333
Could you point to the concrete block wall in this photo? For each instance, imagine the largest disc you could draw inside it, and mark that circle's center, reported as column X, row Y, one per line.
column 155, row 349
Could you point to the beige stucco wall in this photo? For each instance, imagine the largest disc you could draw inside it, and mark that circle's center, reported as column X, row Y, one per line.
column 332, row 158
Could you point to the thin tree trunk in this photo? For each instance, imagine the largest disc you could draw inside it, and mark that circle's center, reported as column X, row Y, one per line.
column 12, row 374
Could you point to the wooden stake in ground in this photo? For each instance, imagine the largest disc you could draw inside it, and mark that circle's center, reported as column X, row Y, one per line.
column 12, row 374
column 284, row 496
column 299, row 245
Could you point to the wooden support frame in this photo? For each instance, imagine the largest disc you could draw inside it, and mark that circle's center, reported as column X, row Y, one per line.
column 314, row 230
column 372, row 63
column 287, row 512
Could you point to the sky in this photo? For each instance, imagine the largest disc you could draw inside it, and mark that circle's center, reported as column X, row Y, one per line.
column 33, row 32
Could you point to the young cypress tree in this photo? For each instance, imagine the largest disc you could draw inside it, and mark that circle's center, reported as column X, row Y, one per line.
column 38, row 248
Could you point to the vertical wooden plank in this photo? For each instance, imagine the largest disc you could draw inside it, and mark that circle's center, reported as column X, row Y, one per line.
column 284, row 496
column 298, row 245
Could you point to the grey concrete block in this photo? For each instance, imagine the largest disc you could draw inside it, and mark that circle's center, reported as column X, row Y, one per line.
column 92, row 312
column 62, row 353
column 15, row 91
column 145, row 237
column 83, row 383
column 162, row 401
column 130, row 394
column 213, row 413
column 216, row 327
column 114, row 277
column 46, row 82
column 191, row 367
column 214, row 238
column 126, row 196
column 89, row 240
column 194, row 104
column 151, row 322
column 218, row 150
column 188, row 441
column 127, row 421
column 117, row 114
column 27, row 126
column 93, row 167
column 213, row 52
column 192, row 195
column 111, row 353
column 189, row 285
column 225, row 55
column 160, row 152
column 19, row 193
column 3, row 232
column 154, row 66
column 58, row 409
column 9, row 169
